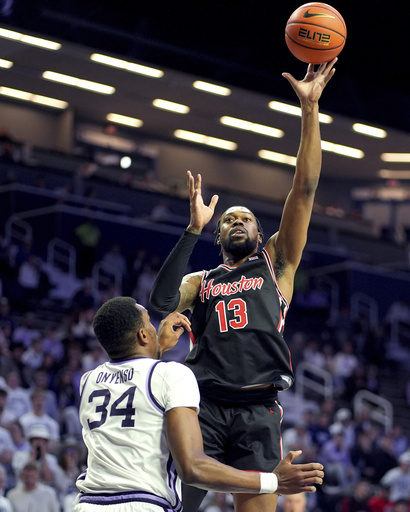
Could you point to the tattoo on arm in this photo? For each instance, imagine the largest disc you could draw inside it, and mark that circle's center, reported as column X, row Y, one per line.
column 189, row 290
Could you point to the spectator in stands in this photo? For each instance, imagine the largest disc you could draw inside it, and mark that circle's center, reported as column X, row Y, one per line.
column 52, row 344
column 358, row 502
column 401, row 506
column 50, row 472
column 67, row 394
column 72, row 460
column 84, row 298
column 87, row 239
column 37, row 416
column 135, row 265
column 41, row 380
column 28, row 277
column 28, row 331
column 398, row 312
column 18, row 401
column 146, row 280
column 82, row 329
column 114, row 261
column 384, row 457
column 109, row 291
column 33, row 358
column 6, row 416
column 335, row 456
column 5, row 504
column 398, row 479
column 7, row 447
column 17, row 434
column 319, row 430
column 12, row 361
column 22, row 253
column 299, row 438
column 293, row 503
column 32, row 495
column 362, row 456
column 7, row 321
column 344, row 364
column 380, row 501
column 400, row 442
column 344, row 416
column 94, row 356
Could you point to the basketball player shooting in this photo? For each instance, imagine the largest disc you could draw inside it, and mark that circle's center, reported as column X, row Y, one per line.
column 239, row 356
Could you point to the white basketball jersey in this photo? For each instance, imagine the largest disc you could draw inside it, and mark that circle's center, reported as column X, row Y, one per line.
column 122, row 413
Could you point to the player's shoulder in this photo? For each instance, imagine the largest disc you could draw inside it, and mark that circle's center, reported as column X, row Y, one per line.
column 173, row 369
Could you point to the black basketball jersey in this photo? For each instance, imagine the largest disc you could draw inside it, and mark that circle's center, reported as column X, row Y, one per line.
column 237, row 330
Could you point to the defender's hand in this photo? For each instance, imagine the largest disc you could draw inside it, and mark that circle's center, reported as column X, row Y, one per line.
column 170, row 330
column 295, row 478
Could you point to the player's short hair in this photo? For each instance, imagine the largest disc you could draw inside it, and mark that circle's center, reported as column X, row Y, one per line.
column 217, row 230
column 115, row 324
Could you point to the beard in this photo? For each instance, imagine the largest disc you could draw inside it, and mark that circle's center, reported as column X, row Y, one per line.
column 239, row 249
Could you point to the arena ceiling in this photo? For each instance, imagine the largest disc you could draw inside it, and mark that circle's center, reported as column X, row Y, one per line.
column 238, row 44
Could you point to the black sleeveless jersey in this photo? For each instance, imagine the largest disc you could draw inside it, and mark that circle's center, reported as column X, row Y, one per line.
column 237, row 330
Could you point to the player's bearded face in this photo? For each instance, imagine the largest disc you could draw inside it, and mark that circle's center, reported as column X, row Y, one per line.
column 239, row 247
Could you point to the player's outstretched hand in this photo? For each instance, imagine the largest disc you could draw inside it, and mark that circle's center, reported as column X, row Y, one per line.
column 170, row 330
column 311, row 87
column 201, row 214
column 295, row 478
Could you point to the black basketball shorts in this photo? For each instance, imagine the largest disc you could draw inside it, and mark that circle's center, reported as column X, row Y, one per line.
column 247, row 437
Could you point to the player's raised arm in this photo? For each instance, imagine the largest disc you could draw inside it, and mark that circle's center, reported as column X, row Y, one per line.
column 288, row 243
column 172, row 291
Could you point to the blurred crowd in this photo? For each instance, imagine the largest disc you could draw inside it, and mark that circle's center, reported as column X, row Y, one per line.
column 41, row 362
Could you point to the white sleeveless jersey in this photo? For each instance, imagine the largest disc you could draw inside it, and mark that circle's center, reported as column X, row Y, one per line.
column 122, row 412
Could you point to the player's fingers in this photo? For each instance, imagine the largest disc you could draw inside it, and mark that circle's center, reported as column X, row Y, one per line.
column 178, row 331
column 213, row 202
column 292, row 455
column 309, row 489
column 311, row 466
column 314, row 479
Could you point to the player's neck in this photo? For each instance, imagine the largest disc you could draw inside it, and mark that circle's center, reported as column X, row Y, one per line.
column 231, row 260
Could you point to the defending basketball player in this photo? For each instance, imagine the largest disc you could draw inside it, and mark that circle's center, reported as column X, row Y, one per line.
column 140, row 425
column 239, row 355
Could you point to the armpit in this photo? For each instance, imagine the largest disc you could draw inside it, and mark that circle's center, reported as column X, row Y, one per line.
column 279, row 264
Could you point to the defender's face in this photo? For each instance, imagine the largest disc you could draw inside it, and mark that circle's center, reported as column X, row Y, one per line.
column 150, row 330
column 239, row 231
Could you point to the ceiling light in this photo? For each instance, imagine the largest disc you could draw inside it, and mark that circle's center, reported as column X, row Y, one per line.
column 125, row 162
column 170, row 105
column 34, row 98
column 277, row 157
column 395, row 157
column 212, row 88
column 5, row 63
column 241, row 124
column 369, row 130
column 394, row 175
column 342, row 150
column 129, row 121
column 205, row 139
column 34, row 41
column 127, row 66
column 78, row 82
column 292, row 110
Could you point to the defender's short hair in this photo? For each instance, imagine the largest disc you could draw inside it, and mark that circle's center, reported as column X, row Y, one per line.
column 115, row 324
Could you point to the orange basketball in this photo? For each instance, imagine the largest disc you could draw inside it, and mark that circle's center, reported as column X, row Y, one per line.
column 315, row 33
